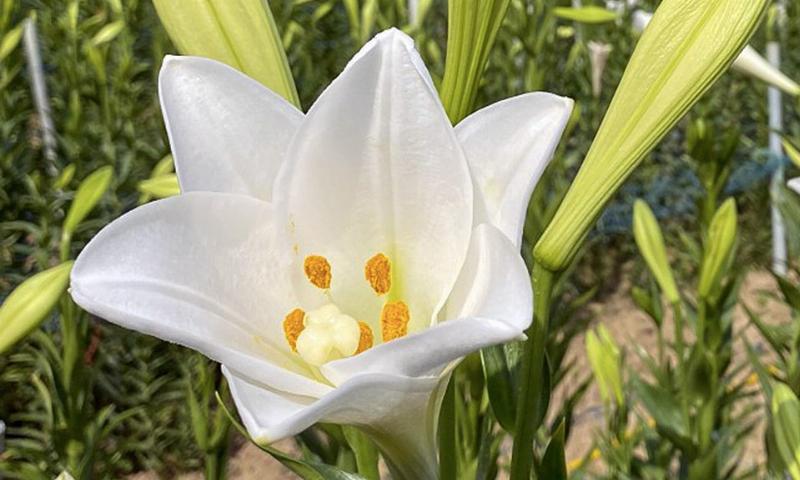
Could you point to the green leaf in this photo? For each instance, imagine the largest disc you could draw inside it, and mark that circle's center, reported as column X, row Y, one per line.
column 663, row 407
column 65, row 177
column 704, row 467
column 198, row 416
column 239, row 33
column 365, row 452
column 29, row 303
column 89, row 193
column 651, row 244
column 500, row 385
column 554, row 463
column 687, row 46
column 791, row 293
column 590, row 14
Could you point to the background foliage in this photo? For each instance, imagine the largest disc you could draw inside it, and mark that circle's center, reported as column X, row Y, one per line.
column 102, row 59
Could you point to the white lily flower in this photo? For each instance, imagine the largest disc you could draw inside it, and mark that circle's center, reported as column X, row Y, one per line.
column 749, row 62
column 794, row 184
column 336, row 264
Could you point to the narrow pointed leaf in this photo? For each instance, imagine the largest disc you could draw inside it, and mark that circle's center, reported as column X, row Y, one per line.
column 306, row 469
column 500, row 385
column 792, row 152
column 554, row 464
column 89, row 193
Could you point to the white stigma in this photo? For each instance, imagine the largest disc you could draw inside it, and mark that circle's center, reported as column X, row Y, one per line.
column 328, row 335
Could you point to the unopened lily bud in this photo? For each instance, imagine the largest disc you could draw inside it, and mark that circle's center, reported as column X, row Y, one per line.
column 605, row 359
column 590, row 14
column 30, row 303
column 719, row 247
column 472, row 28
column 651, row 244
column 240, row 33
column 749, row 62
column 785, row 409
column 685, row 49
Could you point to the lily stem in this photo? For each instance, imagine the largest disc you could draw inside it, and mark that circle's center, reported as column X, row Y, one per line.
column 532, row 375
column 448, row 467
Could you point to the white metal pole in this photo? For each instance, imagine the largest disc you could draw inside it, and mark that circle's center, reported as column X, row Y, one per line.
column 2, row 440
column 33, row 56
column 578, row 26
column 779, row 255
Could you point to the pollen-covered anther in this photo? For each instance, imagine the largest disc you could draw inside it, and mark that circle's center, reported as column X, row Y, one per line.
column 394, row 320
column 318, row 271
column 378, row 272
column 366, row 339
column 293, row 327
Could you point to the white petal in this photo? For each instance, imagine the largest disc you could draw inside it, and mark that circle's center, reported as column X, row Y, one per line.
column 508, row 146
column 399, row 412
column 376, row 167
column 492, row 301
column 204, row 270
column 750, row 62
column 494, row 282
column 794, row 184
column 228, row 133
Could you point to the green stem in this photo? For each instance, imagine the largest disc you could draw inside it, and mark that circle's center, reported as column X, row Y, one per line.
column 215, row 463
column 677, row 311
column 447, row 433
column 700, row 334
column 530, row 406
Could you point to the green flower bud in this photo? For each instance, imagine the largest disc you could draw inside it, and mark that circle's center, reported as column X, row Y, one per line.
column 651, row 244
column 792, row 152
column 162, row 186
column 590, row 14
column 604, row 357
column 472, row 28
column 29, row 303
column 687, row 46
column 785, row 409
column 719, row 247
column 240, row 33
